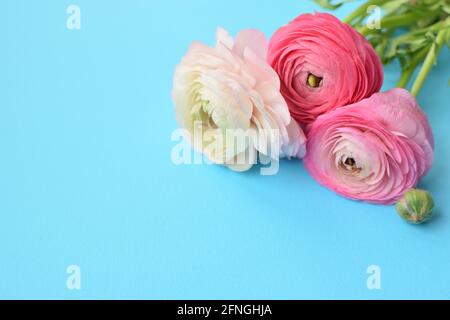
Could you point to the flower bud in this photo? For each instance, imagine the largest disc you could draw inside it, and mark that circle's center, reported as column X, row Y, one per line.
column 416, row 206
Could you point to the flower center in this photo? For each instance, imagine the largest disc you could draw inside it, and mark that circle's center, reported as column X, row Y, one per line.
column 350, row 165
column 205, row 114
column 314, row 81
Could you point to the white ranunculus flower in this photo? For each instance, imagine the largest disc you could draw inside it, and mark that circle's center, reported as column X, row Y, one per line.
column 229, row 100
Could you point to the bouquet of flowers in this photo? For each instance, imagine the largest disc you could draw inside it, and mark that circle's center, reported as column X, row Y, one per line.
column 313, row 92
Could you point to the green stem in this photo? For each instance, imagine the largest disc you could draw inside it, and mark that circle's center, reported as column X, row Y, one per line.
column 362, row 10
column 392, row 22
column 407, row 73
column 430, row 60
column 381, row 48
column 404, row 79
column 433, row 28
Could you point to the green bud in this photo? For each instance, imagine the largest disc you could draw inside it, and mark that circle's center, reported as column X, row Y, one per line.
column 416, row 206
column 314, row 81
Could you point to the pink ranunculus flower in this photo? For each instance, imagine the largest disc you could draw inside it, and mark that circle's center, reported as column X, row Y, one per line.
column 231, row 87
column 323, row 64
column 374, row 150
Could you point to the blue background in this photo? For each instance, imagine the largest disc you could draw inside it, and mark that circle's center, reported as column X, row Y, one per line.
column 86, row 176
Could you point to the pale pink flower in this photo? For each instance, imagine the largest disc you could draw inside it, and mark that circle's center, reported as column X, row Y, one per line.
column 232, row 87
column 374, row 150
column 323, row 64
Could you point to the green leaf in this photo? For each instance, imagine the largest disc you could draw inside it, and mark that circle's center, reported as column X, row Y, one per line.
column 409, row 30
